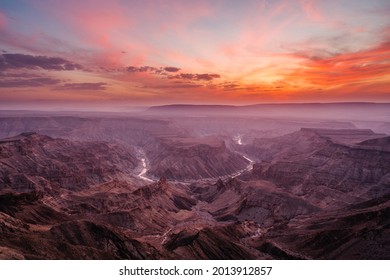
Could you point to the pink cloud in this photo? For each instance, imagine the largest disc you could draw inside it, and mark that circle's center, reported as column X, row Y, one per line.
column 96, row 26
column 260, row 31
column 176, row 17
column 311, row 9
column 110, row 27
column 94, row 21
column 3, row 20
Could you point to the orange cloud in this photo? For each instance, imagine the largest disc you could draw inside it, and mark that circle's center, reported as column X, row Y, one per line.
column 341, row 69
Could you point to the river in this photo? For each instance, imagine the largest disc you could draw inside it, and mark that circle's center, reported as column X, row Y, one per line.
column 235, row 174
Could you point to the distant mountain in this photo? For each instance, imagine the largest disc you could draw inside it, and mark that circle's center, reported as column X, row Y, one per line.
column 346, row 110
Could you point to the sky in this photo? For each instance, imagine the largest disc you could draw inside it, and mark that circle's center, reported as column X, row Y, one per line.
column 120, row 54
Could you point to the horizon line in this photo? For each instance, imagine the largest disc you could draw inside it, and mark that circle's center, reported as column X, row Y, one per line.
column 140, row 108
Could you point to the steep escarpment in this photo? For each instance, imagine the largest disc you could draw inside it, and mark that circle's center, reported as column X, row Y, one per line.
column 30, row 229
column 69, row 240
column 218, row 242
column 149, row 209
column 377, row 143
column 89, row 127
column 322, row 169
column 258, row 201
column 288, row 146
column 359, row 231
column 30, row 161
column 189, row 159
column 108, row 221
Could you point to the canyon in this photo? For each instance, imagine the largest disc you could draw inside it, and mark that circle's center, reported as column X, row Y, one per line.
column 197, row 182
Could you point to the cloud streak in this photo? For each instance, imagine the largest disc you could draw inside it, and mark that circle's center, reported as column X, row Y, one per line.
column 82, row 86
column 172, row 69
column 174, row 86
column 169, row 72
column 151, row 69
column 196, row 77
column 24, row 61
column 31, row 82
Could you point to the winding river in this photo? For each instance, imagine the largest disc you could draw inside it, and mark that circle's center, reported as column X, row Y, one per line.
column 143, row 171
column 235, row 174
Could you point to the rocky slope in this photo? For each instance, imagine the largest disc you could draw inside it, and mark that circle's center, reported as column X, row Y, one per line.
column 107, row 221
column 192, row 158
column 321, row 168
column 359, row 231
column 32, row 161
column 258, row 201
column 312, row 194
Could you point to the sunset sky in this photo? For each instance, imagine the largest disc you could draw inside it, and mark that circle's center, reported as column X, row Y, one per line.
column 118, row 54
